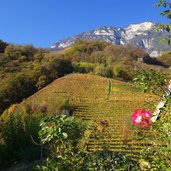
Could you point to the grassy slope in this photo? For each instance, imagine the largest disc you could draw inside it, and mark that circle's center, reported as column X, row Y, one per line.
column 110, row 118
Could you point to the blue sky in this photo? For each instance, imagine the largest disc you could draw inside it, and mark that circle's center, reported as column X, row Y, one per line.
column 44, row 22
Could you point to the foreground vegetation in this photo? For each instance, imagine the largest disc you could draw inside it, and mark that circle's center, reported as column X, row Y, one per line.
column 100, row 110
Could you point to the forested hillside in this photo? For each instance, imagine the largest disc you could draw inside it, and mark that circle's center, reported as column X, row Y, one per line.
column 25, row 69
column 88, row 118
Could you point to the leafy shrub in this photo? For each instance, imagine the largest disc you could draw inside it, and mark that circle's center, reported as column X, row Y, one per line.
column 42, row 82
column 61, row 136
column 107, row 160
column 121, row 72
column 18, row 135
column 160, row 157
column 118, row 53
column 99, row 70
column 117, row 71
column 55, row 68
column 108, row 72
column 82, row 50
column 83, row 67
column 150, row 81
column 13, row 52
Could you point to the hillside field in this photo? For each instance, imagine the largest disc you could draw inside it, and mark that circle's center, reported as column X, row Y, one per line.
column 107, row 113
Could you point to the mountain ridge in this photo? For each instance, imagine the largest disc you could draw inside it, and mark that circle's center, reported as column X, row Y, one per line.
column 141, row 35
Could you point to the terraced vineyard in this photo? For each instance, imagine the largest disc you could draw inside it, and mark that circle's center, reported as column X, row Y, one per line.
column 110, row 123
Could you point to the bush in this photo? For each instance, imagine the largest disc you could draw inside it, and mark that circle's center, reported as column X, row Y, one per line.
column 56, row 68
column 61, row 136
column 82, row 50
column 159, row 157
column 150, row 81
column 100, row 70
column 18, row 134
column 42, row 82
column 107, row 160
column 117, row 71
column 108, row 72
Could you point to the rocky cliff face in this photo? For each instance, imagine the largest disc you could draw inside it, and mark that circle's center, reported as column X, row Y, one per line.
column 142, row 35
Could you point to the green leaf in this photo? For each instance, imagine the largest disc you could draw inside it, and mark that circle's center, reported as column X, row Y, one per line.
column 59, row 129
column 161, row 3
column 65, row 135
column 166, row 12
column 168, row 29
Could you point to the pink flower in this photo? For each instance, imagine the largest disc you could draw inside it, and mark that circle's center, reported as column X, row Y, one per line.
column 141, row 118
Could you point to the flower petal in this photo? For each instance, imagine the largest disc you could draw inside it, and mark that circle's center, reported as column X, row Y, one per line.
column 141, row 118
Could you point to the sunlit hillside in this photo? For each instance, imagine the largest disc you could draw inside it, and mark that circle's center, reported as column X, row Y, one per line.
column 106, row 104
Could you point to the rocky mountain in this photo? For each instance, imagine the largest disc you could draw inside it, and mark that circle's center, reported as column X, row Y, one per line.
column 142, row 35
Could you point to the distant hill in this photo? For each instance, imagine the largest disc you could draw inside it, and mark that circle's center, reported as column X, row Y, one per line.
column 141, row 35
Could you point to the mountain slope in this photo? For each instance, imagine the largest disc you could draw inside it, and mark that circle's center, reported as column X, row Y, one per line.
column 141, row 34
column 110, row 112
